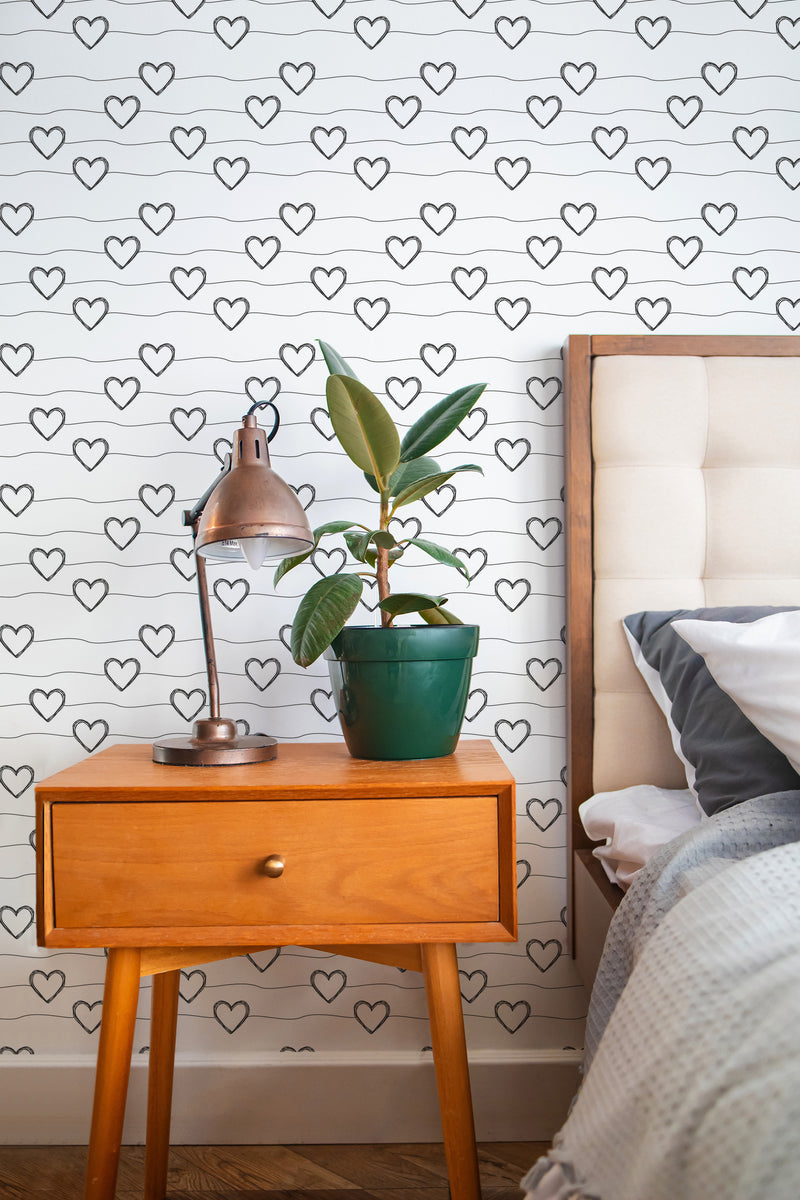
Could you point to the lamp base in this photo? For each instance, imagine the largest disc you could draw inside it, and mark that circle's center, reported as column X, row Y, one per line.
column 214, row 744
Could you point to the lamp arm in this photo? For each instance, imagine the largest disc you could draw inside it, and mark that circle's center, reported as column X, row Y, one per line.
column 208, row 636
column 192, row 515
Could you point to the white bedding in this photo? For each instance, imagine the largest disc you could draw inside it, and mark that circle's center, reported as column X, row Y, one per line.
column 633, row 823
column 692, row 1084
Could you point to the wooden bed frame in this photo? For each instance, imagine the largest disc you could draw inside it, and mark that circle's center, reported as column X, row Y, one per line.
column 592, row 898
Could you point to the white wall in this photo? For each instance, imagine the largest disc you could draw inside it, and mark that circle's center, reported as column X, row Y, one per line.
column 195, row 192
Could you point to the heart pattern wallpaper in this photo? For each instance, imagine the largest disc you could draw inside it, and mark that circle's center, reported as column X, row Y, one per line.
column 193, row 193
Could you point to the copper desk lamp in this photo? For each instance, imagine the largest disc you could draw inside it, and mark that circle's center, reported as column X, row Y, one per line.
column 248, row 512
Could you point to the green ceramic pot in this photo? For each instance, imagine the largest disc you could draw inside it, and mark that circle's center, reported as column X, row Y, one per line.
column 402, row 693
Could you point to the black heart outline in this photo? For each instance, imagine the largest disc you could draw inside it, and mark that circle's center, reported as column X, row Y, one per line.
column 546, row 544
column 253, row 101
column 195, row 702
column 122, row 664
column 39, row 552
column 145, row 629
column 229, row 23
column 79, row 1006
column 500, row 1008
column 529, row 950
column 536, row 243
column 185, row 557
column 500, row 727
column 545, row 805
column 190, row 151
column 80, row 443
column 228, row 164
column 469, row 292
column 78, row 728
column 122, row 101
column 47, row 133
column 80, row 162
column 379, row 1006
column 47, row 976
column 114, row 522
column 53, row 707
column 111, row 242
column 91, row 585
column 544, row 102
column 544, row 662
column 251, row 663
column 394, row 384
column 684, row 243
column 649, row 24
column 156, row 69
column 145, row 211
column 512, row 583
column 223, row 1006
column 402, row 101
column 293, row 70
column 46, row 413
column 603, row 272
column 294, row 367
column 456, row 140
column 81, row 23
column 242, row 305
column 16, row 631
column 328, row 976
column 566, row 210
column 24, row 770
column 261, row 244
column 368, row 42
column 24, row 908
column 185, row 994
column 467, row 977
column 149, row 487
column 242, row 587
column 177, row 276
column 575, row 87
column 189, row 431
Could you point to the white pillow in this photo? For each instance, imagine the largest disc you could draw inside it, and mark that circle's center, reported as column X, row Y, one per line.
column 633, row 823
column 758, row 665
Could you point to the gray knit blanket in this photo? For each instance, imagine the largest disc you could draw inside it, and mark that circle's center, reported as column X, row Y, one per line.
column 691, row 1086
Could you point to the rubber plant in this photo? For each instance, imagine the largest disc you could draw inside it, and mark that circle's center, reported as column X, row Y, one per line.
column 401, row 472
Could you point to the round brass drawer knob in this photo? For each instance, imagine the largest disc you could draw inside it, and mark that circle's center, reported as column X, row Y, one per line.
column 273, row 866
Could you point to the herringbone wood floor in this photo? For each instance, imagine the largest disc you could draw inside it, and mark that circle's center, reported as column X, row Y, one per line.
column 385, row 1172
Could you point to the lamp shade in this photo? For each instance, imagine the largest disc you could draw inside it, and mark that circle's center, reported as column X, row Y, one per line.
column 252, row 505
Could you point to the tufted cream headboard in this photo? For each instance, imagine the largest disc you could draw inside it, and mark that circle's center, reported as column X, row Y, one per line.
column 683, row 490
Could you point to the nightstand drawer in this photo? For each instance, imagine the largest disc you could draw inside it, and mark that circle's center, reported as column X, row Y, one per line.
column 201, row 864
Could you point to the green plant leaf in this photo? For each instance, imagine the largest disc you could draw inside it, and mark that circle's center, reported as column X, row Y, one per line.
column 440, row 616
column 409, row 602
column 288, row 564
column 358, row 543
column 335, row 363
column 429, row 483
column 365, row 430
column 322, row 614
column 440, row 421
column 405, row 474
column 440, row 554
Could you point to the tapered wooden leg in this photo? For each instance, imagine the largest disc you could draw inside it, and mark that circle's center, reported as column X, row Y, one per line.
column 120, row 998
column 440, row 969
column 163, row 1026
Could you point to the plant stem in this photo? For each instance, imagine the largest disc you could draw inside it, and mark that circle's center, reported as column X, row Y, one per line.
column 382, row 563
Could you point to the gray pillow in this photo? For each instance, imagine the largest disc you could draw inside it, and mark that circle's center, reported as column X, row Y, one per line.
column 727, row 760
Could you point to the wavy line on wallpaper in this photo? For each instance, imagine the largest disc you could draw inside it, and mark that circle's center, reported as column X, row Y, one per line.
column 392, row 222
column 326, row 173
column 381, row 142
column 329, row 32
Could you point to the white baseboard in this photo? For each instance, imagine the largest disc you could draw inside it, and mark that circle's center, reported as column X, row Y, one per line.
column 265, row 1100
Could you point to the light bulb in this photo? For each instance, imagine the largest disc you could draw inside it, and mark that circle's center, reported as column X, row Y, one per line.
column 255, row 550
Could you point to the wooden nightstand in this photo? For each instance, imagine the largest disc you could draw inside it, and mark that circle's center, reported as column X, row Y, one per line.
column 172, row 866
